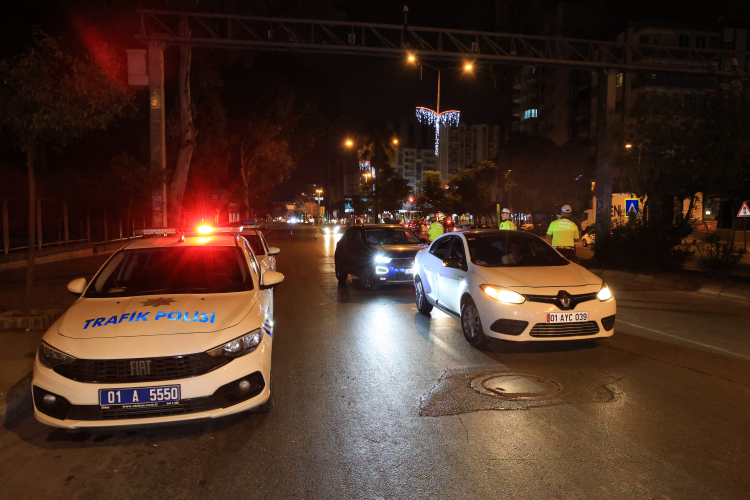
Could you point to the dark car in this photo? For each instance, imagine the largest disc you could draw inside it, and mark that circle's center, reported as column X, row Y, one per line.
column 377, row 254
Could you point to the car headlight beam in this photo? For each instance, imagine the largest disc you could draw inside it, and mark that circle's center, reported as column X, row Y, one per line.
column 503, row 294
column 382, row 259
column 239, row 346
column 604, row 293
column 51, row 357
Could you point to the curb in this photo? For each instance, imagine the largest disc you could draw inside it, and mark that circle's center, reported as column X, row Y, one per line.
column 685, row 283
column 17, row 401
column 40, row 319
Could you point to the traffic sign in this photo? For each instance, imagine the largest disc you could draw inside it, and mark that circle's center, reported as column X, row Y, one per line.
column 744, row 211
column 632, row 205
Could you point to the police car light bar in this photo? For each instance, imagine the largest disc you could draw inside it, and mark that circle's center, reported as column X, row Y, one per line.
column 156, row 231
column 206, row 230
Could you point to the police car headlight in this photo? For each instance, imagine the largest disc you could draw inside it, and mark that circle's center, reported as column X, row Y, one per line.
column 382, row 259
column 503, row 295
column 239, row 346
column 604, row 293
column 51, row 357
column 326, row 230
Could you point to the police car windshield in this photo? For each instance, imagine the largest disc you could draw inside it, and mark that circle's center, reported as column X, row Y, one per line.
column 174, row 271
column 390, row 236
column 512, row 249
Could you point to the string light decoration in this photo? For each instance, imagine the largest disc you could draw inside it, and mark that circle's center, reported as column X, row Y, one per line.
column 429, row 117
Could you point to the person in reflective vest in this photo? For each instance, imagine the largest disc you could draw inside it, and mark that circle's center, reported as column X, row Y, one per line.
column 507, row 223
column 436, row 228
column 564, row 234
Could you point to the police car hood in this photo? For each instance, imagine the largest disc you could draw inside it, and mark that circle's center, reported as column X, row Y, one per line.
column 519, row 278
column 144, row 316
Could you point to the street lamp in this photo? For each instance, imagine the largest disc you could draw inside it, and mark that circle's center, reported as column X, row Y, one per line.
column 349, row 143
column 395, row 141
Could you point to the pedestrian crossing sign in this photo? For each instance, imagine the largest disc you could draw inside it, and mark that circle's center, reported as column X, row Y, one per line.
column 631, row 206
column 744, row 211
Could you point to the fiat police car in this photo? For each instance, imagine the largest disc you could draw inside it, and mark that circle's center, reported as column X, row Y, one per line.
column 511, row 285
column 175, row 326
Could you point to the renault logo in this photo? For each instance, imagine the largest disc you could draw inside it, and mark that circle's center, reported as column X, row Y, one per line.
column 564, row 299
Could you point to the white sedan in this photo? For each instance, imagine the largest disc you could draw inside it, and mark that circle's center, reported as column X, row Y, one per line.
column 511, row 285
column 172, row 327
column 266, row 254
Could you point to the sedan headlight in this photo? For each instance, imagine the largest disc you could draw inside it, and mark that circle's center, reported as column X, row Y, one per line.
column 382, row 259
column 503, row 294
column 326, row 230
column 604, row 293
column 239, row 346
column 51, row 357
column 336, row 229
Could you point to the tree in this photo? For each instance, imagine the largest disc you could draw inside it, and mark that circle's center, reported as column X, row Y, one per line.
column 49, row 98
column 431, row 192
column 135, row 179
column 469, row 191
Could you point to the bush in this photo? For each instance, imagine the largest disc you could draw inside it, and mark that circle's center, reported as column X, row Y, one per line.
column 718, row 256
column 634, row 246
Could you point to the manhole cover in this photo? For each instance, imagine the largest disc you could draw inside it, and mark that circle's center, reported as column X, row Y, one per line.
column 514, row 386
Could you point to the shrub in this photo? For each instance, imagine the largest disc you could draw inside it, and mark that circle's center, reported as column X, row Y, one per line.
column 633, row 245
column 718, row 256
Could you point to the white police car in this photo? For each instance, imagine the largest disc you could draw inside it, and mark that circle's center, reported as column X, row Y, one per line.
column 172, row 327
column 264, row 253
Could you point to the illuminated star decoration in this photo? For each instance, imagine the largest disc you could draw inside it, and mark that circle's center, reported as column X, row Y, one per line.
column 429, row 117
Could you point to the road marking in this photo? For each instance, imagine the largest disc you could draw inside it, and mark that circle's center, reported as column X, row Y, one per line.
column 684, row 340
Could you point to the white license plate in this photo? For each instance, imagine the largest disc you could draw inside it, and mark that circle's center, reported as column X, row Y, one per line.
column 408, row 271
column 140, row 397
column 571, row 317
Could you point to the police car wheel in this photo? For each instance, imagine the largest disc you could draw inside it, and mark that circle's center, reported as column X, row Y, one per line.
column 340, row 274
column 423, row 305
column 471, row 324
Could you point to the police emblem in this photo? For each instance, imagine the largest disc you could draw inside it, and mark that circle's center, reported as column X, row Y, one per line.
column 161, row 301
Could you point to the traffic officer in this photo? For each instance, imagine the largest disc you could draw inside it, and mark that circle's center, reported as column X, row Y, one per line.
column 564, row 233
column 436, row 228
column 507, row 223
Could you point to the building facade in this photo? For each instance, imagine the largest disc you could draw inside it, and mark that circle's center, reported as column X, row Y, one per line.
column 464, row 145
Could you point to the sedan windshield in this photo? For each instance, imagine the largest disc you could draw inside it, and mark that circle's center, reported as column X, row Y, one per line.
column 512, row 249
column 390, row 236
column 174, row 271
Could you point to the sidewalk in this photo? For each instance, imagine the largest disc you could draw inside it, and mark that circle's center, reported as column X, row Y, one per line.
column 18, row 347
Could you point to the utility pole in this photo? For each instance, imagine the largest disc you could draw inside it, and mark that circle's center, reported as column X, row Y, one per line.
column 158, row 130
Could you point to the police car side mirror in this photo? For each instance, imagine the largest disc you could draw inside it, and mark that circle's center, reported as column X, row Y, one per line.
column 77, row 286
column 453, row 262
column 271, row 279
column 273, row 250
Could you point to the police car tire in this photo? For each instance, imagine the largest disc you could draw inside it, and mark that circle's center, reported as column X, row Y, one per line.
column 340, row 274
column 423, row 305
column 470, row 314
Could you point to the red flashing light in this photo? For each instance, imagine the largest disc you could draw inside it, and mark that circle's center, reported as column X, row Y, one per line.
column 204, row 229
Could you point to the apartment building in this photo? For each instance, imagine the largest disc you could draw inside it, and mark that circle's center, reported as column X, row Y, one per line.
column 463, row 145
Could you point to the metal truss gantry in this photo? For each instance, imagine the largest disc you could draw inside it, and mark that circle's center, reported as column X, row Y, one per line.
column 385, row 40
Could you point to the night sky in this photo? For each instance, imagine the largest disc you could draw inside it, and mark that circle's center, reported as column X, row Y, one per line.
column 366, row 89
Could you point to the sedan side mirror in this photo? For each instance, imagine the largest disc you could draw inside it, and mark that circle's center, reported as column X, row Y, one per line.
column 77, row 286
column 273, row 250
column 270, row 280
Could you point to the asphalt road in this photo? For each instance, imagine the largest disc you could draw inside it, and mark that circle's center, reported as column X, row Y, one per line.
column 374, row 400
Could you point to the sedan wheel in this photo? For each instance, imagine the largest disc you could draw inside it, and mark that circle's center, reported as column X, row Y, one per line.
column 471, row 324
column 423, row 305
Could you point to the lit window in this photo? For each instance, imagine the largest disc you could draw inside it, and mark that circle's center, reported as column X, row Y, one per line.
column 620, row 80
column 529, row 113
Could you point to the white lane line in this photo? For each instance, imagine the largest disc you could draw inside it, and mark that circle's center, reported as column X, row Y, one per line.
column 684, row 339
